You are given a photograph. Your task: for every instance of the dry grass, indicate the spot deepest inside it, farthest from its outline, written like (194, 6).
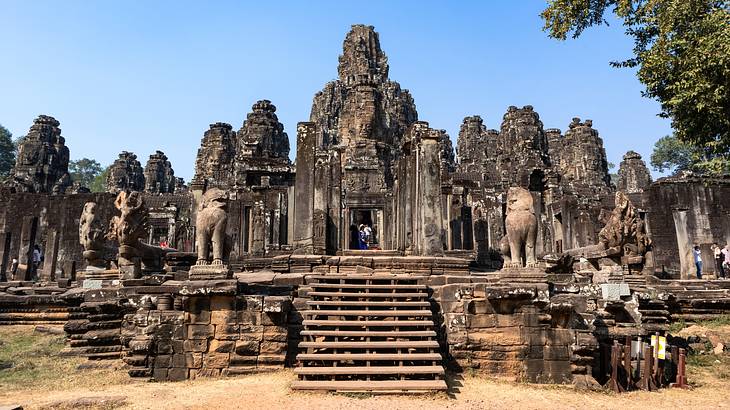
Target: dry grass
(30, 360)
(53, 382)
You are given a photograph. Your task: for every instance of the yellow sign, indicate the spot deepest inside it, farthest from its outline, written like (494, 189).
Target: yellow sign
(662, 350)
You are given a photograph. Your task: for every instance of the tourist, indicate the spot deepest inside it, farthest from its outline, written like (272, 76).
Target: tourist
(726, 264)
(368, 235)
(36, 260)
(14, 268)
(719, 259)
(361, 238)
(698, 260)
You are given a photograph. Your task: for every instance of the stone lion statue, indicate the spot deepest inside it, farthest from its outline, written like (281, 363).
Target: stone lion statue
(210, 228)
(521, 227)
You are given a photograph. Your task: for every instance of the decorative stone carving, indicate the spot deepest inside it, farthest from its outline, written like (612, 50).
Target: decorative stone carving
(213, 243)
(91, 236)
(214, 166)
(125, 174)
(159, 176)
(633, 175)
(42, 163)
(521, 226)
(625, 231)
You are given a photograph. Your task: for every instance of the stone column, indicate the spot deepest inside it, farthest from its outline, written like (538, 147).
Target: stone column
(27, 240)
(7, 245)
(304, 187)
(428, 197)
(50, 258)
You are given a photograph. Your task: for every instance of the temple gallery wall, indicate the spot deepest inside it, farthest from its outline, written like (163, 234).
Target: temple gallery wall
(511, 254)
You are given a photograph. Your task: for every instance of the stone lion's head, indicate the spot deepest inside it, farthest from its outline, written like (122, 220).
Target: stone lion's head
(519, 199)
(214, 198)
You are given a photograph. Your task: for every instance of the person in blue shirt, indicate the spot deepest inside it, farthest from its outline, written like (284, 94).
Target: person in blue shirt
(698, 261)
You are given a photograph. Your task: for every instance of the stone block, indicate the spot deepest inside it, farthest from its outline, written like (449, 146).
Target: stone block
(480, 321)
(276, 304)
(164, 360)
(247, 348)
(456, 337)
(271, 360)
(273, 319)
(198, 304)
(275, 334)
(216, 360)
(273, 348)
(241, 360)
(178, 346)
(159, 374)
(200, 331)
(222, 303)
(223, 317)
(177, 374)
(556, 336)
(246, 317)
(221, 346)
(196, 345)
(458, 306)
(509, 320)
(227, 332)
(164, 347)
(253, 303)
(288, 279)
(252, 332)
(505, 336)
(194, 360)
(479, 306)
(556, 353)
(454, 321)
(178, 360)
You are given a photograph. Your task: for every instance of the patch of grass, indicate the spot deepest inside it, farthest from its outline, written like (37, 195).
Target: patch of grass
(675, 327)
(721, 320)
(31, 360)
(701, 360)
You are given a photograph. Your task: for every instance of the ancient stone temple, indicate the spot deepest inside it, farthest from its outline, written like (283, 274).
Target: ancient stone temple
(633, 175)
(159, 176)
(346, 153)
(42, 164)
(513, 257)
(125, 173)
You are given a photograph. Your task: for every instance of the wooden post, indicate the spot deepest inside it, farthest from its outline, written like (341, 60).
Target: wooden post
(627, 364)
(675, 363)
(613, 383)
(681, 371)
(647, 379)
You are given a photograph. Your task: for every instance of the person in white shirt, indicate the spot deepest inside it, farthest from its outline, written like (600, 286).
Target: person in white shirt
(368, 234)
(719, 259)
(698, 260)
(36, 259)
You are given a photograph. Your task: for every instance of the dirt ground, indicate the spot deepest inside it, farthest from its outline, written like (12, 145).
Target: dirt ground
(63, 387)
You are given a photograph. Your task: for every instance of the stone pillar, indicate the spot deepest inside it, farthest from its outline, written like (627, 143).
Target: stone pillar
(50, 258)
(304, 187)
(27, 240)
(7, 244)
(429, 230)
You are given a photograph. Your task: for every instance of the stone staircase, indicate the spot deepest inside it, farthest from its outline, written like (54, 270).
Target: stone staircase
(369, 333)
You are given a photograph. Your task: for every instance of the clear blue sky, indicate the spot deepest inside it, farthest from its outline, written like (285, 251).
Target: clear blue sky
(147, 75)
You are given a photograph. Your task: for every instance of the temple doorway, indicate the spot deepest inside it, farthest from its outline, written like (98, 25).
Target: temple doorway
(366, 217)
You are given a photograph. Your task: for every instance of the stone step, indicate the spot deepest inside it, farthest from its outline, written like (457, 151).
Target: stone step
(359, 303)
(364, 286)
(347, 370)
(368, 323)
(358, 276)
(369, 333)
(368, 295)
(371, 386)
(371, 345)
(370, 356)
(408, 313)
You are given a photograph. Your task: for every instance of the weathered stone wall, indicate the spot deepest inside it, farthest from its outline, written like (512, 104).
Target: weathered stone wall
(683, 212)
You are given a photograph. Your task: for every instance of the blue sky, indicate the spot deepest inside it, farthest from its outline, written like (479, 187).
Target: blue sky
(147, 75)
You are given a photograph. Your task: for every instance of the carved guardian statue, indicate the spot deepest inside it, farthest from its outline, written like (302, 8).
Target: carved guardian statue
(91, 236)
(521, 226)
(212, 241)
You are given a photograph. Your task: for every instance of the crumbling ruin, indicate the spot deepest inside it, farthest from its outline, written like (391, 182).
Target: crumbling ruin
(514, 256)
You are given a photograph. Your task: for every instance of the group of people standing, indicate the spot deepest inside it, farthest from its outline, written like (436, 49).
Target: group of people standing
(722, 260)
(361, 237)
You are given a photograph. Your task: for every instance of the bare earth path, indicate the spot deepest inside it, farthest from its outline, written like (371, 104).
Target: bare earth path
(271, 391)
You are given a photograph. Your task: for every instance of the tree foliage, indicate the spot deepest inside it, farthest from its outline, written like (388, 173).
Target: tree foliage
(682, 52)
(98, 184)
(7, 152)
(671, 154)
(84, 171)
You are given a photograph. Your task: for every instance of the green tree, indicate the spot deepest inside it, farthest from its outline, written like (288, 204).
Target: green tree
(84, 171)
(682, 52)
(7, 152)
(98, 184)
(671, 154)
